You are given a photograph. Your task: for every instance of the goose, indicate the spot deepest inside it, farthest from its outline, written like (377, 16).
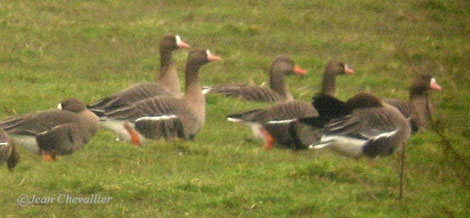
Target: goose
(8, 151)
(418, 108)
(263, 121)
(277, 92)
(362, 126)
(72, 124)
(164, 116)
(168, 82)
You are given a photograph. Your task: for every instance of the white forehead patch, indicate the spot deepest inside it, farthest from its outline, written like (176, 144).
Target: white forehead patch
(208, 53)
(433, 80)
(178, 40)
(59, 106)
(346, 66)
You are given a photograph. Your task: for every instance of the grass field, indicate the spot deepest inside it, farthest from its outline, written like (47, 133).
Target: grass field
(50, 50)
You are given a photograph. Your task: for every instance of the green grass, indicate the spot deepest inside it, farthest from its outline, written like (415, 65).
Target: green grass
(50, 50)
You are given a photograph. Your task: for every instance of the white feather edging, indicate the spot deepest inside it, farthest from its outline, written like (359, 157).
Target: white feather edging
(206, 89)
(235, 120)
(157, 118)
(273, 122)
(385, 135)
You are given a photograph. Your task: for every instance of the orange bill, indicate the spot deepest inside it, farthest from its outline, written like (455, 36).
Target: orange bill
(212, 57)
(299, 70)
(434, 85)
(183, 44)
(180, 43)
(348, 69)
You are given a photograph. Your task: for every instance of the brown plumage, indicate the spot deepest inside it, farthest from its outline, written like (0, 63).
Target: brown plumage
(164, 116)
(368, 127)
(418, 108)
(8, 151)
(260, 120)
(281, 67)
(166, 84)
(72, 124)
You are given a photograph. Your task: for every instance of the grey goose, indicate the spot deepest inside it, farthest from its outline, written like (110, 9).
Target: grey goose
(168, 82)
(362, 126)
(8, 151)
(281, 67)
(260, 120)
(418, 108)
(164, 116)
(54, 131)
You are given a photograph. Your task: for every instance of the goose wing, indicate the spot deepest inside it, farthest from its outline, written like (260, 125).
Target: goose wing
(155, 117)
(279, 112)
(129, 95)
(249, 93)
(35, 123)
(65, 138)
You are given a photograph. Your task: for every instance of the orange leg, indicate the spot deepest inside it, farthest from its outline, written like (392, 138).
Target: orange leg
(269, 140)
(134, 136)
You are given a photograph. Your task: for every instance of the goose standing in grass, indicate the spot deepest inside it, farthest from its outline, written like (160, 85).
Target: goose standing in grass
(260, 119)
(55, 131)
(8, 151)
(278, 91)
(165, 116)
(168, 82)
(362, 126)
(418, 108)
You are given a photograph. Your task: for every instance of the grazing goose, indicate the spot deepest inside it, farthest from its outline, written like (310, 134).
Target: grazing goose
(418, 108)
(168, 82)
(51, 128)
(362, 126)
(282, 66)
(164, 116)
(260, 120)
(8, 151)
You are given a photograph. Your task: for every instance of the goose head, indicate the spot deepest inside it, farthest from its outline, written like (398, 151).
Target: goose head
(424, 83)
(198, 57)
(338, 68)
(284, 66)
(72, 105)
(173, 42)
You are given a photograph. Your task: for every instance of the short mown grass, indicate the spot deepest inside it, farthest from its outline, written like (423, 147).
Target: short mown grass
(50, 50)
